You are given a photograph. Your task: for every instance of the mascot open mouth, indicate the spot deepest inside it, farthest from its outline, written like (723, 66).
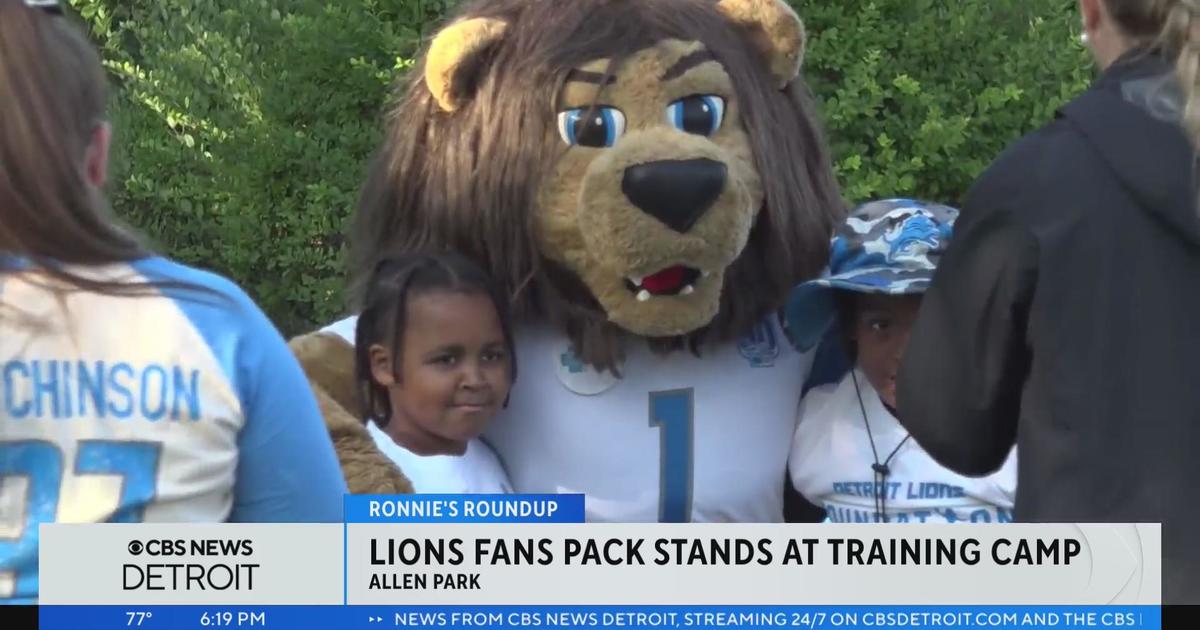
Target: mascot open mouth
(674, 280)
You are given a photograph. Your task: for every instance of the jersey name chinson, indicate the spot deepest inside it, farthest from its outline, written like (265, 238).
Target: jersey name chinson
(62, 389)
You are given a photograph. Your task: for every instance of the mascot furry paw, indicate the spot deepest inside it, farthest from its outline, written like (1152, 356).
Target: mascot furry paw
(329, 364)
(647, 179)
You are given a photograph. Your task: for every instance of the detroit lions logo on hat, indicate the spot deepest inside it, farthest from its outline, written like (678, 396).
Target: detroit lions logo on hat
(891, 247)
(913, 238)
(905, 235)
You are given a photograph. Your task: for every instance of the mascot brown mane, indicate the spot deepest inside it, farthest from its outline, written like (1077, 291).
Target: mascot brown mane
(630, 170)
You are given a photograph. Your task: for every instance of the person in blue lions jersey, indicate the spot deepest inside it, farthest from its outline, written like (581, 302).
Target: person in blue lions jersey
(132, 388)
(851, 455)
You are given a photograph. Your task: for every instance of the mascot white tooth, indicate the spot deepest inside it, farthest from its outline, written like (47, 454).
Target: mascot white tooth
(648, 179)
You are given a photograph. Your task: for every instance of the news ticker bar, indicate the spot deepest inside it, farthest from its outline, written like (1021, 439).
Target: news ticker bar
(807, 617)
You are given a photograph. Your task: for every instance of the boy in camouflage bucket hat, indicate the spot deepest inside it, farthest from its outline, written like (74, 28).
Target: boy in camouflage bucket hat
(888, 247)
(850, 454)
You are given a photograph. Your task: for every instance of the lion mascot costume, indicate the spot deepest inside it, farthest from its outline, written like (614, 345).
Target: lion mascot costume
(646, 179)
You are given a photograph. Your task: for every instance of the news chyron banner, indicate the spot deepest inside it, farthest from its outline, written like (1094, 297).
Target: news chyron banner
(529, 561)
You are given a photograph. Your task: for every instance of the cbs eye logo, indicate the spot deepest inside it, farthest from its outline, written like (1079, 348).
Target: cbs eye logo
(157, 548)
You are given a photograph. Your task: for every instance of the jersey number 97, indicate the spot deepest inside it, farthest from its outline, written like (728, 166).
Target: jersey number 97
(41, 464)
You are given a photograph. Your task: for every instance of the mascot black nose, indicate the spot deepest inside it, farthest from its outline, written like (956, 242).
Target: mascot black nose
(676, 192)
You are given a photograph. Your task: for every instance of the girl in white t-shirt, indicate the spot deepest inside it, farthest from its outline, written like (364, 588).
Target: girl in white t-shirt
(434, 363)
(851, 456)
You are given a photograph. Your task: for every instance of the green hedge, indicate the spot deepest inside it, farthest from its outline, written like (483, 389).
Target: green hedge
(920, 95)
(243, 126)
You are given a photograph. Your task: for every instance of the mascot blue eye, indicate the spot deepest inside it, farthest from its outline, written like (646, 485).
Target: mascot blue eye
(701, 114)
(599, 127)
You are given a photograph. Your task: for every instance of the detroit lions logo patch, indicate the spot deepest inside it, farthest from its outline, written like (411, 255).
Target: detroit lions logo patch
(577, 376)
(904, 235)
(760, 347)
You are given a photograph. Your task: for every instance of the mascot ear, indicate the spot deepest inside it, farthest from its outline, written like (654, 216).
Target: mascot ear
(778, 33)
(452, 63)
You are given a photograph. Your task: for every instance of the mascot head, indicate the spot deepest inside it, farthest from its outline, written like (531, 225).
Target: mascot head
(626, 168)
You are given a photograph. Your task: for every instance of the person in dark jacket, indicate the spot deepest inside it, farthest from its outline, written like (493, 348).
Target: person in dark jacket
(1065, 316)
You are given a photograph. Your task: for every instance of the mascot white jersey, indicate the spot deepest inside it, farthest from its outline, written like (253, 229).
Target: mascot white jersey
(690, 448)
(672, 417)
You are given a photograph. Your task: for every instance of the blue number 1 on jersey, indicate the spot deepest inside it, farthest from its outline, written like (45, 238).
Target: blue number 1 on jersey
(671, 411)
(41, 464)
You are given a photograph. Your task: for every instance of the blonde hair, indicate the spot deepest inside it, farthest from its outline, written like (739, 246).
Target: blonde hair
(1174, 27)
(1181, 35)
